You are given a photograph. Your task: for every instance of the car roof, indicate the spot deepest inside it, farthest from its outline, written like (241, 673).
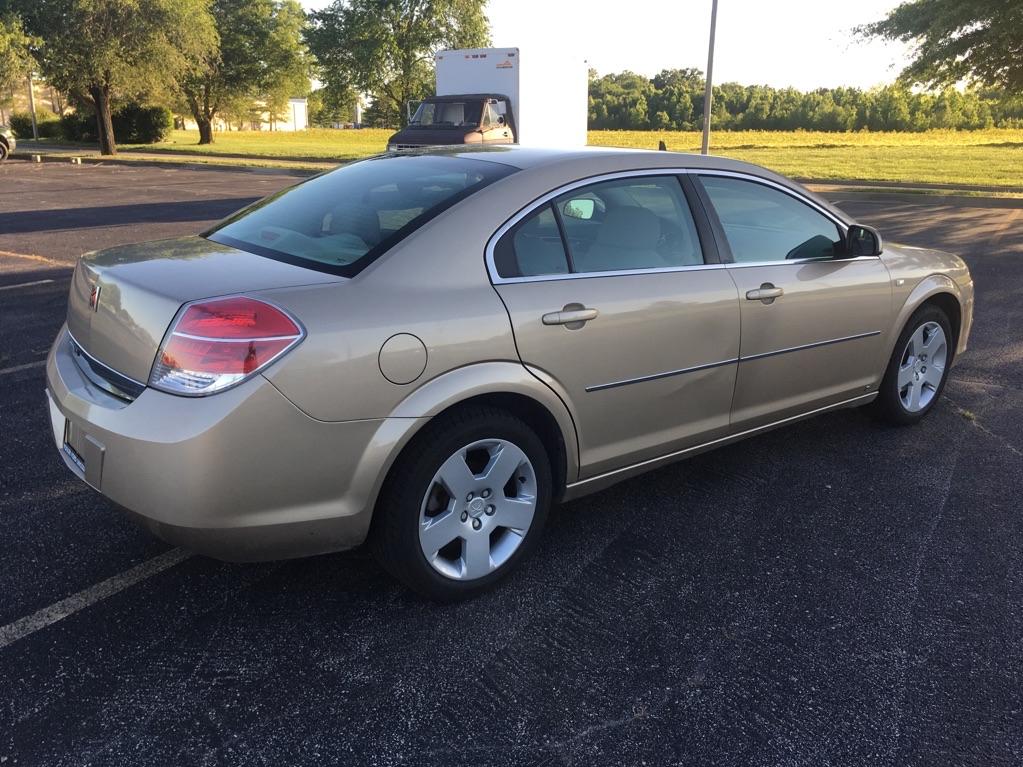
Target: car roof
(583, 162)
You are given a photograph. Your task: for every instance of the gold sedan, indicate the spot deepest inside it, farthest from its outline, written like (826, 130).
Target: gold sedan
(430, 349)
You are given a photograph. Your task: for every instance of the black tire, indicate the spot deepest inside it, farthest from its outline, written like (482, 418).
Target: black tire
(394, 535)
(889, 405)
(4, 151)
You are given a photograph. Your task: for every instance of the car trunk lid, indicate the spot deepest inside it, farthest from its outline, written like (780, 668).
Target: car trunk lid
(123, 299)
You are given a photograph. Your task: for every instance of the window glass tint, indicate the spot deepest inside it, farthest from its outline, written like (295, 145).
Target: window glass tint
(638, 223)
(448, 114)
(532, 248)
(342, 220)
(765, 224)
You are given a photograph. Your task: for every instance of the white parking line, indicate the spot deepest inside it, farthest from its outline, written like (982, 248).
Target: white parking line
(26, 366)
(25, 284)
(30, 624)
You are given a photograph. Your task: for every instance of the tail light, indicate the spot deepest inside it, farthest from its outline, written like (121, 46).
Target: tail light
(216, 344)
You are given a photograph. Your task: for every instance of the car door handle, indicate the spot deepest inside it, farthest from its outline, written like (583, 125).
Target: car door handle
(570, 317)
(766, 293)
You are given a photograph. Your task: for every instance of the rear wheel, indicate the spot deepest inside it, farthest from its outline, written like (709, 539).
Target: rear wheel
(465, 503)
(918, 369)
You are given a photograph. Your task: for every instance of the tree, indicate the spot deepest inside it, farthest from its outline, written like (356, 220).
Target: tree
(106, 49)
(327, 107)
(261, 56)
(287, 61)
(979, 41)
(386, 47)
(15, 56)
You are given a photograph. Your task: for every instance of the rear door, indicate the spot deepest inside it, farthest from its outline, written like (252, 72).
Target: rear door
(812, 317)
(622, 308)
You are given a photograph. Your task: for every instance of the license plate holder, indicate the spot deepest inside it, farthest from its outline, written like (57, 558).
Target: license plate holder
(83, 452)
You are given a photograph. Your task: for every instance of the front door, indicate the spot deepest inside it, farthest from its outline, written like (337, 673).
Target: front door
(813, 319)
(494, 124)
(613, 305)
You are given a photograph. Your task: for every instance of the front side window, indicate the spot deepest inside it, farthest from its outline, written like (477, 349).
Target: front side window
(340, 221)
(620, 225)
(765, 224)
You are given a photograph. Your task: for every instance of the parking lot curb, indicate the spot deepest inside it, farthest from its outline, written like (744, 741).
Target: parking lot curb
(69, 159)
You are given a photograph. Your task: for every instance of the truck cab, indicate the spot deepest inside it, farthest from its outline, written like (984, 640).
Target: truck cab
(473, 118)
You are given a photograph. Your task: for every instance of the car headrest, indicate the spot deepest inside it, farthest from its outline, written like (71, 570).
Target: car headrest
(360, 220)
(630, 227)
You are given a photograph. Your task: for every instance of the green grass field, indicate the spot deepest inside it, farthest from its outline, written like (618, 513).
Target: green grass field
(990, 157)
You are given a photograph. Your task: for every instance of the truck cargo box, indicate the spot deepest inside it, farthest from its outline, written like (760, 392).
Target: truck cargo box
(547, 90)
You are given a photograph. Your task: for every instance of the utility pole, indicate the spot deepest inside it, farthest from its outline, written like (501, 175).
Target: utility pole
(708, 97)
(32, 106)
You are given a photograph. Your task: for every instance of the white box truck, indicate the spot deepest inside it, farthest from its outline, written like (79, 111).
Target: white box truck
(497, 96)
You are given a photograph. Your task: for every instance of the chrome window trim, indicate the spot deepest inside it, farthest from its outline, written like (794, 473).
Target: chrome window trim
(539, 202)
(799, 261)
(619, 273)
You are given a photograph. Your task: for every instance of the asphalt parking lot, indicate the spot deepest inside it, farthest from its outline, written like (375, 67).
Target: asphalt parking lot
(838, 592)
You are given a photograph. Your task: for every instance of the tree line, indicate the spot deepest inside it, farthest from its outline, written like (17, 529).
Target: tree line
(204, 58)
(673, 100)
(233, 59)
(236, 59)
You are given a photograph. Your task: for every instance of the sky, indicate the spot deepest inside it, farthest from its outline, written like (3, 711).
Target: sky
(801, 43)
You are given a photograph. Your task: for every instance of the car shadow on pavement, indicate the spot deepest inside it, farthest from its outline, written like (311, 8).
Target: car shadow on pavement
(24, 222)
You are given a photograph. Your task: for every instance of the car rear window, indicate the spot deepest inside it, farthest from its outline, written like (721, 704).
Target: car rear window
(341, 221)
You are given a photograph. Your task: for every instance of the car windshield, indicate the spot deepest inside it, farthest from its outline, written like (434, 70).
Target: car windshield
(448, 114)
(342, 220)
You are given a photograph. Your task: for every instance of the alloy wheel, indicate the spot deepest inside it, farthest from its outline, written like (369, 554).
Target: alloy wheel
(922, 367)
(477, 510)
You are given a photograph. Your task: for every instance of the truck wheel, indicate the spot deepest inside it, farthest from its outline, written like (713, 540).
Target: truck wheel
(464, 504)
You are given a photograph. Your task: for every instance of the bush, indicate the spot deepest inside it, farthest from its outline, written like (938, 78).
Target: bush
(78, 126)
(46, 121)
(50, 128)
(137, 124)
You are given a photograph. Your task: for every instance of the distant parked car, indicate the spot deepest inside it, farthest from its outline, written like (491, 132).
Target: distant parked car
(7, 142)
(429, 349)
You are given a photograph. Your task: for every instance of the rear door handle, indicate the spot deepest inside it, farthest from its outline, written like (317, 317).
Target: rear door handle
(766, 293)
(566, 316)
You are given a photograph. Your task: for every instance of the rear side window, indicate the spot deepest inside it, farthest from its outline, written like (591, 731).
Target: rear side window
(765, 224)
(533, 247)
(341, 221)
(621, 225)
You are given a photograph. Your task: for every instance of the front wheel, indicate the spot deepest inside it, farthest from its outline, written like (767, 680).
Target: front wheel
(464, 504)
(4, 151)
(918, 369)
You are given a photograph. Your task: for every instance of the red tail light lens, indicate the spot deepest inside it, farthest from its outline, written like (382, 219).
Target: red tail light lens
(213, 345)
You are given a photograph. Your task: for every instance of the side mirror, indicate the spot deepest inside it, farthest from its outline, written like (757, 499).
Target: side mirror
(863, 241)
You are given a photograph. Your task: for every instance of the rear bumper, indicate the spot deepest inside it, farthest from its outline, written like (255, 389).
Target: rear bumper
(242, 475)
